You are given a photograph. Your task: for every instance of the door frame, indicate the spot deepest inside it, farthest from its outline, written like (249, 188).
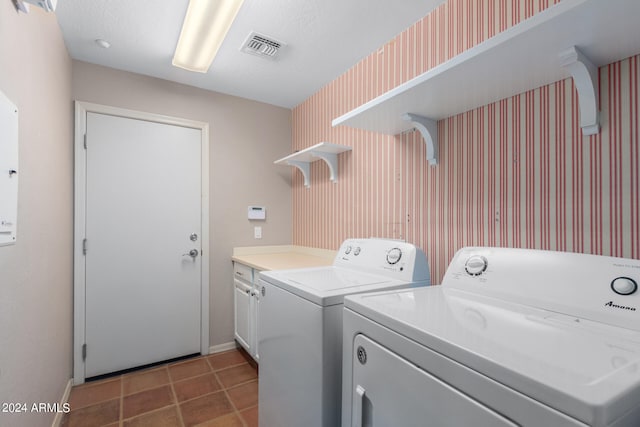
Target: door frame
(80, 169)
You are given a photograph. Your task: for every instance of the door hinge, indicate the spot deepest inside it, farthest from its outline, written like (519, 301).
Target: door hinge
(85, 141)
(84, 246)
(84, 352)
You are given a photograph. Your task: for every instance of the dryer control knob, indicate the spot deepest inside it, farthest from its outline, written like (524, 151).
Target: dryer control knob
(394, 255)
(476, 265)
(347, 250)
(624, 285)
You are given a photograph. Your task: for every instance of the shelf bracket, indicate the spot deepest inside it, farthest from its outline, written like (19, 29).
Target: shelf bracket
(331, 159)
(304, 168)
(585, 78)
(429, 130)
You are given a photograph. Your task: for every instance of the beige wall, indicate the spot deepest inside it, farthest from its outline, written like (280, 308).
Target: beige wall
(36, 272)
(245, 138)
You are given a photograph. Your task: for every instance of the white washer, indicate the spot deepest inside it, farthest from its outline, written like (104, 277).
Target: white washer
(300, 334)
(511, 337)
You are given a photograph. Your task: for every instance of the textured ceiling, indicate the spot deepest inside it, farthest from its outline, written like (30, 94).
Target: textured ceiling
(324, 38)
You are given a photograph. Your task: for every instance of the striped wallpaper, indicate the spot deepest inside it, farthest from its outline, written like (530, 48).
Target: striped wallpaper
(514, 173)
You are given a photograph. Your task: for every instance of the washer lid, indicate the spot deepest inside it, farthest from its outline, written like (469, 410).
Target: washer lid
(588, 370)
(328, 285)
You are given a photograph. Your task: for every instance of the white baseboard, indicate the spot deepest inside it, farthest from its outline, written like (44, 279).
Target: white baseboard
(65, 398)
(222, 347)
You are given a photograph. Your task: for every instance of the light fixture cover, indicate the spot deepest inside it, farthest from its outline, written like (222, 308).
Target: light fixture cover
(204, 28)
(48, 5)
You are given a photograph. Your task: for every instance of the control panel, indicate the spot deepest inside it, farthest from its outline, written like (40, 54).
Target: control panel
(588, 286)
(392, 258)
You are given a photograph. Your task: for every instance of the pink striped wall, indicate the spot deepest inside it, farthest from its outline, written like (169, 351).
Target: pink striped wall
(515, 173)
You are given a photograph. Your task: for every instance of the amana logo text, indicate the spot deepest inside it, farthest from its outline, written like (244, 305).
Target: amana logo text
(622, 307)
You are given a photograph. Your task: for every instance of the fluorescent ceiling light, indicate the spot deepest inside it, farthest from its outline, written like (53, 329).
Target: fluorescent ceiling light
(203, 30)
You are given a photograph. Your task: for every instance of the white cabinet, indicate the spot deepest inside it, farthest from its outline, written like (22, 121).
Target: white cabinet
(246, 304)
(242, 300)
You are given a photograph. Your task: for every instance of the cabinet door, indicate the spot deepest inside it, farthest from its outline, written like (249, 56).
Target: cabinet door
(242, 314)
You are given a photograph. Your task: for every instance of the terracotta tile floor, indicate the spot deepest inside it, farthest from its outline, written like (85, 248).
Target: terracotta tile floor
(219, 390)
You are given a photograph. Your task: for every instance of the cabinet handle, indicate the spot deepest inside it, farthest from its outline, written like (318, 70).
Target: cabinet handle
(238, 273)
(248, 291)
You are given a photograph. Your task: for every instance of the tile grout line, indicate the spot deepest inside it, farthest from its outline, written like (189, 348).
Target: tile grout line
(224, 389)
(121, 415)
(233, 405)
(175, 396)
(172, 383)
(97, 402)
(168, 383)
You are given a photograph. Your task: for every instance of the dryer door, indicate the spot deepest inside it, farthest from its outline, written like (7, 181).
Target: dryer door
(389, 390)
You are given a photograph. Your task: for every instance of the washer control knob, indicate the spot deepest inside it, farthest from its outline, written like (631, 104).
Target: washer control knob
(394, 255)
(624, 285)
(347, 250)
(357, 251)
(476, 265)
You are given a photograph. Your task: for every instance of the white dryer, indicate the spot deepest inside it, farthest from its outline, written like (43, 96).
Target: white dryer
(512, 337)
(300, 333)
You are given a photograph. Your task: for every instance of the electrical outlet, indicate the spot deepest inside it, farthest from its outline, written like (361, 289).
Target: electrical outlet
(257, 232)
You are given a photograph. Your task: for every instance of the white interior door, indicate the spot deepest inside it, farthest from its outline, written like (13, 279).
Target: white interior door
(143, 204)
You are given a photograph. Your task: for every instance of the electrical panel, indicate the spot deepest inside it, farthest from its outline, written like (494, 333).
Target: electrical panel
(8, 171)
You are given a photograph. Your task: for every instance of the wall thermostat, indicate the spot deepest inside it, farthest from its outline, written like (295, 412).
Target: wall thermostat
(257, 212)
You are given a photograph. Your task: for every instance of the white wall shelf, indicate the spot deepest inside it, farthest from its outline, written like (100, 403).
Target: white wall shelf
(523, 57)
(302, 159)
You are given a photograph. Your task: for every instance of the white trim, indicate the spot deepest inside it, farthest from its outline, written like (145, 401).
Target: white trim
(223, 347)
(57, 420)
(82, 108)
(205, 256)
(80, 173)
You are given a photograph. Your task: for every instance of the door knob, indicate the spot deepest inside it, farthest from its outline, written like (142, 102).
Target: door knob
(192, 253)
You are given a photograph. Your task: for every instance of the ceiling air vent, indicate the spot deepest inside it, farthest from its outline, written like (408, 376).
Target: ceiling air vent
(261, 45)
